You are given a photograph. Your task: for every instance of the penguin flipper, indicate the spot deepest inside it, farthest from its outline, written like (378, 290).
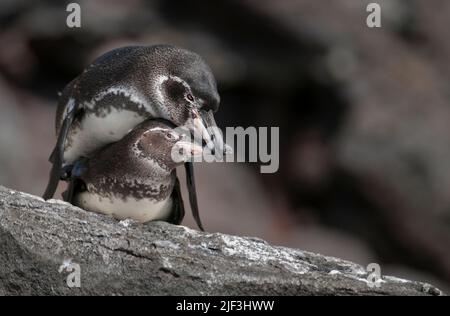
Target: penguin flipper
(189, 166)
(56, 158)
(178, 205)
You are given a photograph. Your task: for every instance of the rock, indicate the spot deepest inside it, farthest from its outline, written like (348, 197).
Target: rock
(39, 239)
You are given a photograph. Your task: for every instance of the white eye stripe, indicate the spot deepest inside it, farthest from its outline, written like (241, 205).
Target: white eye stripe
(173, 134)
(178, 79)
(163, 78)
(155, 129)
(158, 84)
(161, 106)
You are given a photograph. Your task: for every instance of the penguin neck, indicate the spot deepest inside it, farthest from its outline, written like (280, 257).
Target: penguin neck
(160, 173)
(162, 179)
(151, 178)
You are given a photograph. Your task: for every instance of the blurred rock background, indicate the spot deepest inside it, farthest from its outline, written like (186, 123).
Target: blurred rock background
(364, 114)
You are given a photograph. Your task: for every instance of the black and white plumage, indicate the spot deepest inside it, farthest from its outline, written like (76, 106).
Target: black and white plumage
(135, 178)
(123, 88)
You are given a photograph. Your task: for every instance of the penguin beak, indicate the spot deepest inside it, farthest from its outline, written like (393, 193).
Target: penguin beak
(200, 129)
(189, 150)
(205, 126)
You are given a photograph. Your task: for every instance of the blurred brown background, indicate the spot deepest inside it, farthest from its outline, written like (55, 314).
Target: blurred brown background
(364, 114)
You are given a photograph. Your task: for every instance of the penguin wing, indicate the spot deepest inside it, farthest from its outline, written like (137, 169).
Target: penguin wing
(75, 186)
(56, 158)
(189, 167)
(178, 205)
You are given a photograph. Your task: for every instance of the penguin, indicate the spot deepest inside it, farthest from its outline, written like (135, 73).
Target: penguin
(135, 178)
(123, 88)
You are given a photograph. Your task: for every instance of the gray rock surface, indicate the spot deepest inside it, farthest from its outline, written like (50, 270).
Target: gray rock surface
(126, 258)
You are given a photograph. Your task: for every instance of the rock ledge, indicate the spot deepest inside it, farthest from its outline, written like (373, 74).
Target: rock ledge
(38, 239)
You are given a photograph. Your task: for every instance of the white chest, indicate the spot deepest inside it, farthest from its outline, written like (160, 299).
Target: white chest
(96, 132)
(143, 210)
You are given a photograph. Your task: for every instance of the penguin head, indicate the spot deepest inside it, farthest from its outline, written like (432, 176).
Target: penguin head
(164, 145)
(186, 93)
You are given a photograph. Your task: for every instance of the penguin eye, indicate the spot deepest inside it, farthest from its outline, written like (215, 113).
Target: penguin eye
(190, 97)
(170, 136)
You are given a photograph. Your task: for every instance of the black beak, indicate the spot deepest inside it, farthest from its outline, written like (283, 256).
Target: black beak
(220, 148)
